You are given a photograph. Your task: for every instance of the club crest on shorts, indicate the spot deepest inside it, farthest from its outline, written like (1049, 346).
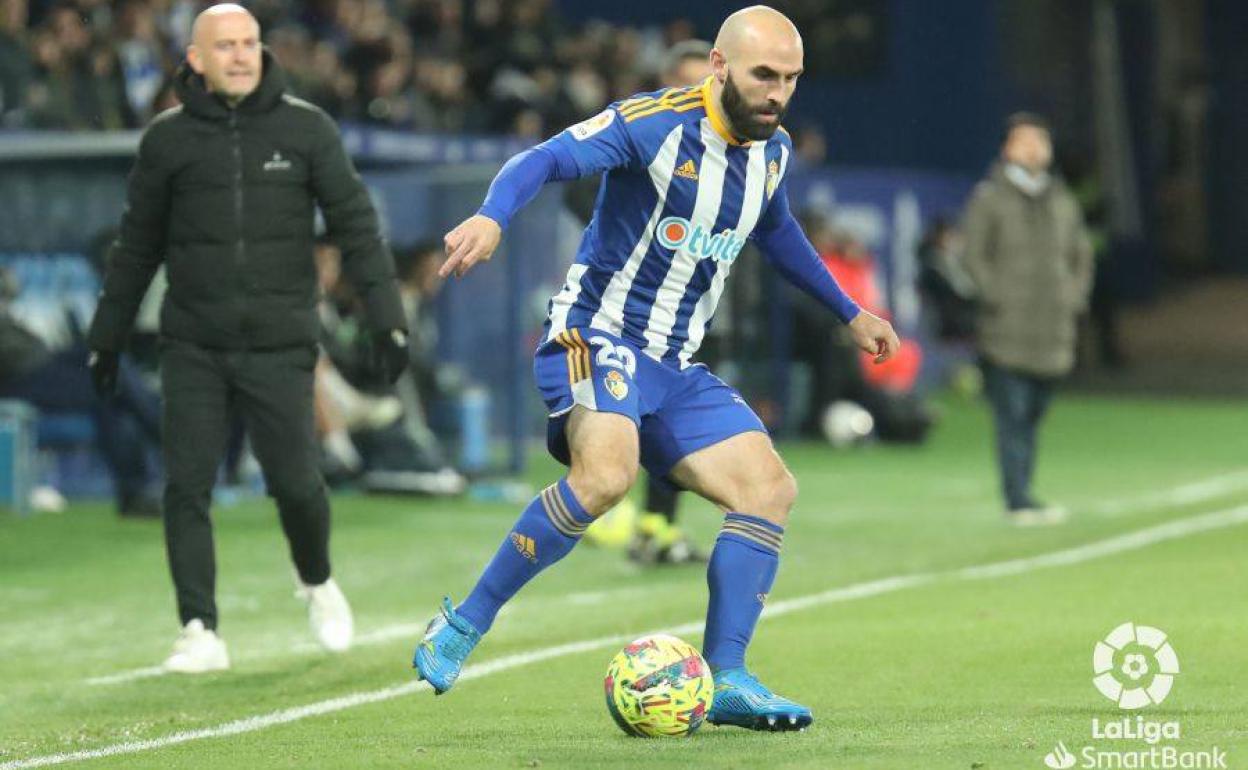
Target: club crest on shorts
(615, 384)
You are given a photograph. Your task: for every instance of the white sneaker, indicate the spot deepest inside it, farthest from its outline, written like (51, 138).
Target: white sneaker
(1047, 516)
(329, 615)
(197, 651)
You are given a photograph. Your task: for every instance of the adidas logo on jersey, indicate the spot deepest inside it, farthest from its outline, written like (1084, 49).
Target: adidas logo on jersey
(687, 170)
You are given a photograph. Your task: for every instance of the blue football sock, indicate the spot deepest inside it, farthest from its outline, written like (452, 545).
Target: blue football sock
(742, 569)
(545, 533)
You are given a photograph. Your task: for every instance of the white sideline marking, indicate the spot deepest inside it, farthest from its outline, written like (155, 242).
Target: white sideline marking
(127, 676)
(1140, 538)
(1131, 541)
(1183, 494)
(374, 637)
(377, 636)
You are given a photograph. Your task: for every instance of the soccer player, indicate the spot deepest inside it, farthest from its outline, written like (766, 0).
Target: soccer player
(656, 538)
(692, 173)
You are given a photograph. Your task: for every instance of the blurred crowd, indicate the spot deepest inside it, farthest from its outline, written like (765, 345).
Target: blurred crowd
(504, 66)
(457, 66)
(375, 436)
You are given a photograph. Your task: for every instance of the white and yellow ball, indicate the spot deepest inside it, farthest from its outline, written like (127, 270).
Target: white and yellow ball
(659, 686)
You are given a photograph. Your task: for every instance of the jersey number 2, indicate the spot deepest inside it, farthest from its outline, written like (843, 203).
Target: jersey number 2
(617, 356)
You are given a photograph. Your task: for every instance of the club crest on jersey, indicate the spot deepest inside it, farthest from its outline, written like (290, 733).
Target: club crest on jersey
(680, 234)
(615, 385)
(773, 178)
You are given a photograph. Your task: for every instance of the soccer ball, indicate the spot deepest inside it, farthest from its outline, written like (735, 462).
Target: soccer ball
(845, 423)
(659, 685)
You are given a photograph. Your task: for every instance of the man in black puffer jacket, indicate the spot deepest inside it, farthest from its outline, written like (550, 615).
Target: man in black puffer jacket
(224, 192)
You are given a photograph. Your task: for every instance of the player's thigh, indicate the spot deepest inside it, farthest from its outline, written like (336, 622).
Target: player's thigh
(742, 473)
(603, 449)
(589, 381)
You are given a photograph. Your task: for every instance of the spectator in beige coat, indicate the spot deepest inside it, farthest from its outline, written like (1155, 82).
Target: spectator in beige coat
(1028, 253)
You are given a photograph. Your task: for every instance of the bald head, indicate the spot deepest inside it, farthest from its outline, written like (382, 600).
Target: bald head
(225, 50)
(206, 22)
(756, 62)
(757, 29)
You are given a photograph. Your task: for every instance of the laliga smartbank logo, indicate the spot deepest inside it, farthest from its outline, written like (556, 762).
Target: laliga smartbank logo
(680, 234)
(1135, 667)
(1060, 757)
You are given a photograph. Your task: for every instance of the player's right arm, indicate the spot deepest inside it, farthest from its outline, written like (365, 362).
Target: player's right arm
(588, 148)
(139, 248)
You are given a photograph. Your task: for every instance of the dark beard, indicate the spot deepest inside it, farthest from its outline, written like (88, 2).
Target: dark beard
(744, 118)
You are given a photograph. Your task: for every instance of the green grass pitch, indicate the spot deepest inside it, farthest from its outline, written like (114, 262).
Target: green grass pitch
(934, 671)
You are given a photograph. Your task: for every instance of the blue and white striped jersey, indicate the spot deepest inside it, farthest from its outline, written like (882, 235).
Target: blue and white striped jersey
(678, 201)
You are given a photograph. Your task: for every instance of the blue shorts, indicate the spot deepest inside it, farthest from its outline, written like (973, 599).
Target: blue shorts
(677, 412)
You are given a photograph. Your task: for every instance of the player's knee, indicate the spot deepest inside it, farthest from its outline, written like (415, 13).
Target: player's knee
(770, 497)
(598, 488)
(785, 492)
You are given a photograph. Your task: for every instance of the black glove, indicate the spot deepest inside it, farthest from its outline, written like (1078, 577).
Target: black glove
(390, 356)
(103, 365)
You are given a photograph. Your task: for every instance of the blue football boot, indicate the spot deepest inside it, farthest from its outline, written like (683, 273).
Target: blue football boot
(448, 641)
(743, 701)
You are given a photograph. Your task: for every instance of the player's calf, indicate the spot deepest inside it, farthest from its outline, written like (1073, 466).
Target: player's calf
(604, 465)
(546, 531)
(745, 475)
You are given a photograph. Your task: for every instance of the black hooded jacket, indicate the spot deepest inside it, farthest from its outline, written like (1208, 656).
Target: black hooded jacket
(226, 198)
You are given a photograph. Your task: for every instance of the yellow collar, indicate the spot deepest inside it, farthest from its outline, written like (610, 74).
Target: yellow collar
(717, 121)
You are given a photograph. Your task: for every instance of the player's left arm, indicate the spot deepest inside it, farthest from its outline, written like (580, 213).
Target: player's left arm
(787, 248)
(587, 148)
